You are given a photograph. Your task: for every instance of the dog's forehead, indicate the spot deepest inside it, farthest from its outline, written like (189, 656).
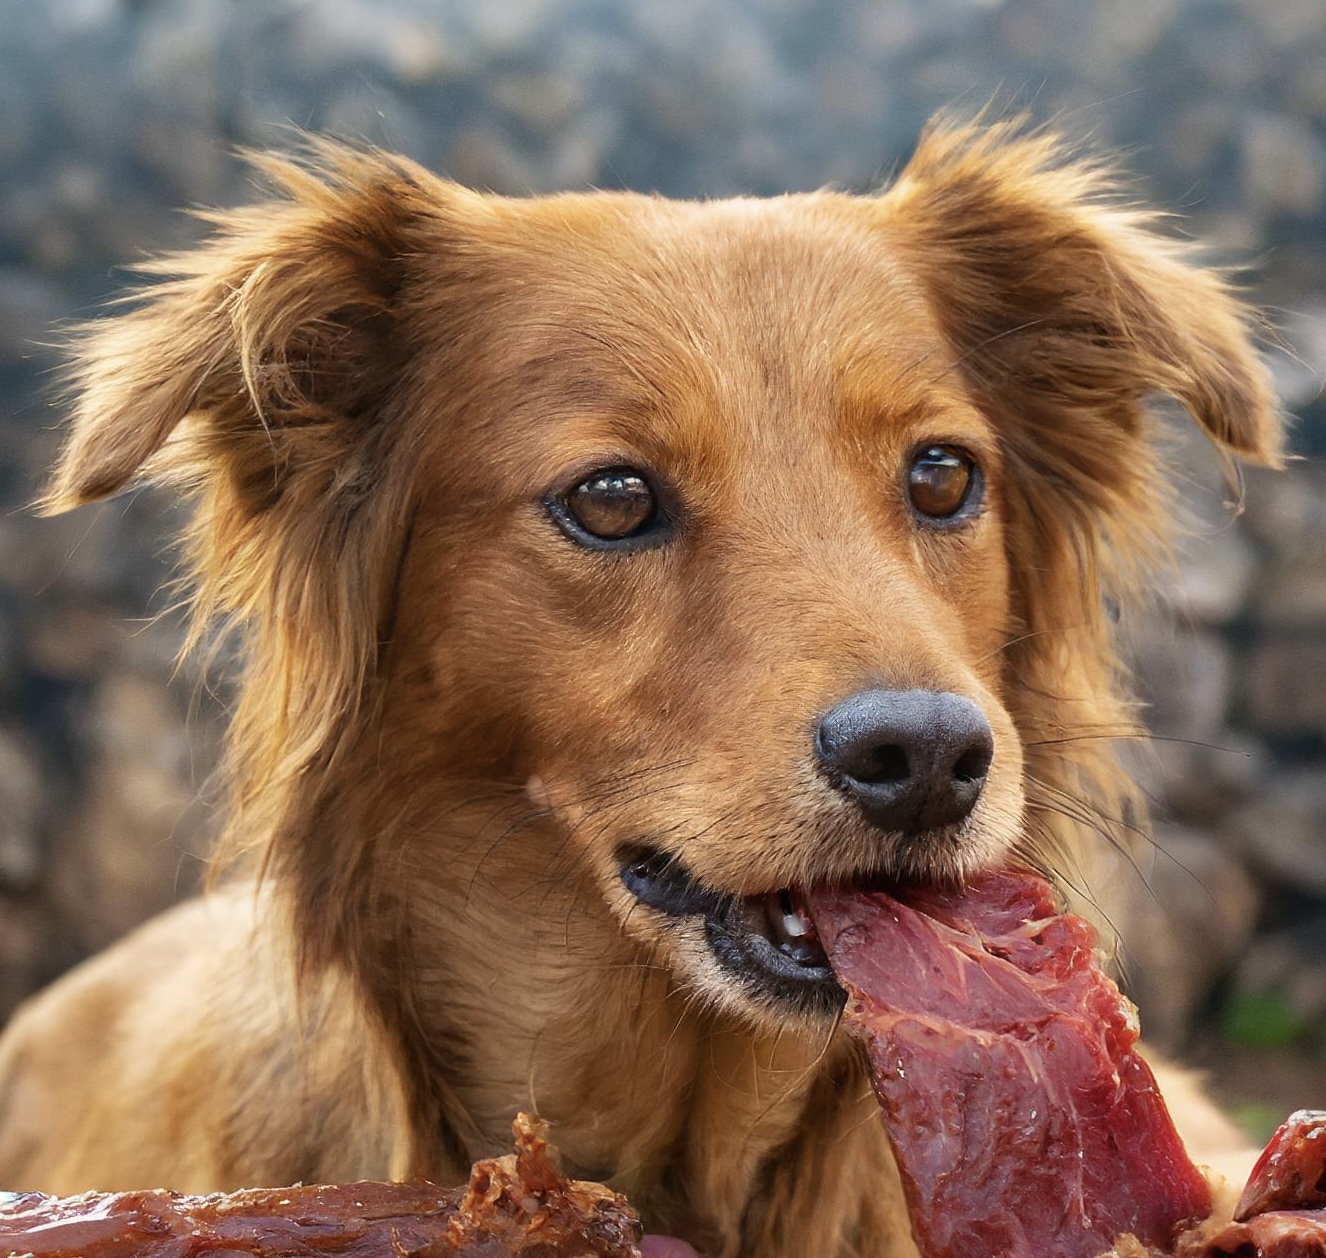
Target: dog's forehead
(617, 315)
(781, 273)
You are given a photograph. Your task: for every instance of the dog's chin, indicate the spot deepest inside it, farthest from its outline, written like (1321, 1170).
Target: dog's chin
(762, 948)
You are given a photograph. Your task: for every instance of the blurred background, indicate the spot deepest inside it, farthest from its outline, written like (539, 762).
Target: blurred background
(115, 113)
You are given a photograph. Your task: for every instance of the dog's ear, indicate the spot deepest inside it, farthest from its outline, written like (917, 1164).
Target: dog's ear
(262, 376)
(262, 346)
(1051, 289)
(1065, 310)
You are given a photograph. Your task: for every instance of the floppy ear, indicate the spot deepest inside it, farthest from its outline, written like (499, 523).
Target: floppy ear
(262, 377)
(1066, 311)
(270, 330)
(1052, 289)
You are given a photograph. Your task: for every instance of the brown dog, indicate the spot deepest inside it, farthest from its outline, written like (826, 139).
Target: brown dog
(607, 569)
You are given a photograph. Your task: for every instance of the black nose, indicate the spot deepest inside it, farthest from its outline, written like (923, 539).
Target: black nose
(912, 760)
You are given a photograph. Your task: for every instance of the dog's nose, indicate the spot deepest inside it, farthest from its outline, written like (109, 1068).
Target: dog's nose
(912, 760)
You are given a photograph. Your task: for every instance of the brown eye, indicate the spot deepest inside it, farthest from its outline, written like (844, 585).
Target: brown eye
(613, 505)
(941, 481)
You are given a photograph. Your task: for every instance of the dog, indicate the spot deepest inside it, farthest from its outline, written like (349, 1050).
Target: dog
(606, 570)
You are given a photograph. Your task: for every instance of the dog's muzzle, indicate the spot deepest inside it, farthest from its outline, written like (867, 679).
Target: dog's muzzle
(914, 762)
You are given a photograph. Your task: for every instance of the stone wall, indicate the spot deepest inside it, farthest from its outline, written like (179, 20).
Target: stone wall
(113, 113)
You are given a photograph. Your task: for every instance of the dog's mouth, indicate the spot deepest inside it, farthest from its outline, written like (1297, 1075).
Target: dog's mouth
(765, 943)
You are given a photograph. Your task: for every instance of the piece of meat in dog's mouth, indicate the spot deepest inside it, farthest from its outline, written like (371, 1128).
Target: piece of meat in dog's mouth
(767, 943)
(1023, 1120)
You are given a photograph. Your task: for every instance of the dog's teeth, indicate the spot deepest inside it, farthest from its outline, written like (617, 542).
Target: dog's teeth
(789, 928)
(781, 922)
(788, 918)
(794, 925)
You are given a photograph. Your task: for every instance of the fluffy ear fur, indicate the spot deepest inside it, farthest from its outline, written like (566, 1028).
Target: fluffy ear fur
(259, 377)
(1067, 311)
(1052, 288)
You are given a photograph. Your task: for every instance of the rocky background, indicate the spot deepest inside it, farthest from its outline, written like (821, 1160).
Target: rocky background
(113, 113)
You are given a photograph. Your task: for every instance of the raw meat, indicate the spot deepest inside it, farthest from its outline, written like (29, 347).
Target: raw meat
(1280, 1234)
(1024, 1123)
(1280, 1214)
(520, 1204)
(1291, 1172)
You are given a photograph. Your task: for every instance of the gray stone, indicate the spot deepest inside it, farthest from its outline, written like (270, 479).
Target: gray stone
(1286, 684)
(1285, 511)
(71, 640)
(1192, 139)
(1121, 30)
(407, 47)
(29, 305)
(18, 123)
(1288, 24)
(134, 843)
(71, 18)
(1221, 55)
(1294, 593)
(1283, 834)
(1201, 783)
(1284, 165)
(1216, 564)
(577, 156)
(22, 800)
(1306, 80)
(1214, 577)
(486, 155)
(27, 949)
(890, 28)
(367, 113)
(546, 102)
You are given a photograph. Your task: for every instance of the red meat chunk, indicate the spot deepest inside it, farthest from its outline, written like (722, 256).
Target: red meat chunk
(1024, 1123)
(1291, 1172)
(1280, 1234)
(520, 1204)
(1280, 1214)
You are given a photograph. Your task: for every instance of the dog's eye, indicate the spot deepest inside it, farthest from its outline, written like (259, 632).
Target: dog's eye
(941, 481)
(611, 506)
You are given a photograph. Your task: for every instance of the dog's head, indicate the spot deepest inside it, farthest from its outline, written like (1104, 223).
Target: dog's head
(738, 546)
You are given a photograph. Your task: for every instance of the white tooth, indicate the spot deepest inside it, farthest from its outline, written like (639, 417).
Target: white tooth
(795, 925)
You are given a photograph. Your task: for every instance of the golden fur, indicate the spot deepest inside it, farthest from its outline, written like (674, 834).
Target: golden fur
(451, 718)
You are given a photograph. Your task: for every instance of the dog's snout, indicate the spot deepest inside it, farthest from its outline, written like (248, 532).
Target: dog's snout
(912, 760)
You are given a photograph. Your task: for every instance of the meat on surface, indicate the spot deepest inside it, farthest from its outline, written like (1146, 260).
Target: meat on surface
(520, 1204)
